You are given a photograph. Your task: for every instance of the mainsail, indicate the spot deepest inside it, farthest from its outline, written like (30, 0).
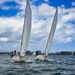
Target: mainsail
(51, 34)
(26, 29)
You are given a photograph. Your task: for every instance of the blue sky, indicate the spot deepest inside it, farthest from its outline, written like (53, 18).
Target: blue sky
(11, 24)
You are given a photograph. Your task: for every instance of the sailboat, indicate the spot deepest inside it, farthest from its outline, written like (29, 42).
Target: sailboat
(34, 53)
(51, 34)
(25, 35)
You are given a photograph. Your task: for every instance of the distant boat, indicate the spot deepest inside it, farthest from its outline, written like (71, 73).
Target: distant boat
(50, 38)
(71, 52)
(25, 35)
(34, 53)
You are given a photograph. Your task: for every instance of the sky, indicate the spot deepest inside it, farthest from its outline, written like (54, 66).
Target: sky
(12, 19)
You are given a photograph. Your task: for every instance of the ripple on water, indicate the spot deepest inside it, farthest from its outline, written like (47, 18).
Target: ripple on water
(64, 65)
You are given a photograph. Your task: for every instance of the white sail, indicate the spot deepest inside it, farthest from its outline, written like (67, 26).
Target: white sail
(51, 34)
(26, 29)
(34, 53)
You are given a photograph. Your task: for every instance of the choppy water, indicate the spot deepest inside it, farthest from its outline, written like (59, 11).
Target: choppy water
(63, 65)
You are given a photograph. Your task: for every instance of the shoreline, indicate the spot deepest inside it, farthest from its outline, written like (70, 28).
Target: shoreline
(58, 53)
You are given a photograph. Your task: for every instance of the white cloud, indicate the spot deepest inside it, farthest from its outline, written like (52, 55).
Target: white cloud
(65, 34)
(10, 28)
(22, 4)
(45, 10)
(15, 45)
(47, 1)
(5, 7)
(40, 27)
(68, 17)
(8, 7)
(73, 3)
(3, 1)
(4, 39)
(62, 6)
(13, 23)
(70, 31)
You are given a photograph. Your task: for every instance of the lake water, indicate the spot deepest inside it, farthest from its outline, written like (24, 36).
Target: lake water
(63, 65)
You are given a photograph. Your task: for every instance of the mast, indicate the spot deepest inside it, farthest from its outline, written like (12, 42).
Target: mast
(26, 29)
(51, 34)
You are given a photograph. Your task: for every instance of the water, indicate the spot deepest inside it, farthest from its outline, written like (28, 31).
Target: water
(63, 65)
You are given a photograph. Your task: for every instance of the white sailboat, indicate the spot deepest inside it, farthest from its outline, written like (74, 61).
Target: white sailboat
(25, 35)
(34, 53)
(51, 34)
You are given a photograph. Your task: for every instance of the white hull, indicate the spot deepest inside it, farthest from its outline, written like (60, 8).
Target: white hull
(17, 58)
(43, 58)
(40, 57)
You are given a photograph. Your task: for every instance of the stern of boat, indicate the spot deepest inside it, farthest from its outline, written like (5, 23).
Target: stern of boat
(16, 58)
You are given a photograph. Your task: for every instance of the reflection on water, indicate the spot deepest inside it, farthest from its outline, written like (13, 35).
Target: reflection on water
(63, 65)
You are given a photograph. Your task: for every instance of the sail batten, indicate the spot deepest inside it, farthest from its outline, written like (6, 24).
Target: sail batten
(26, 29)
(51, 34)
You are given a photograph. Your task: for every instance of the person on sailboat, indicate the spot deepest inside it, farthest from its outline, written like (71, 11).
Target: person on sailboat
(14, 52)
(11, 54)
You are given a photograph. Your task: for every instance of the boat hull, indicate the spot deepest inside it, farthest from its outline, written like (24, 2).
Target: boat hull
(18, 58)
(43, 58)
(40, 57)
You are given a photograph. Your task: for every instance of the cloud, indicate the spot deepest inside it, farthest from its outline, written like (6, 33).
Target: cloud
(4, 39)
(64, 26)
(45, 10)
(62, 6)
(5, 7)
(42, 17)
(10, 28)
(47, 1)
(22, 4)
(8, 7)
(73, 3)
(2, 1)
(68, 17)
